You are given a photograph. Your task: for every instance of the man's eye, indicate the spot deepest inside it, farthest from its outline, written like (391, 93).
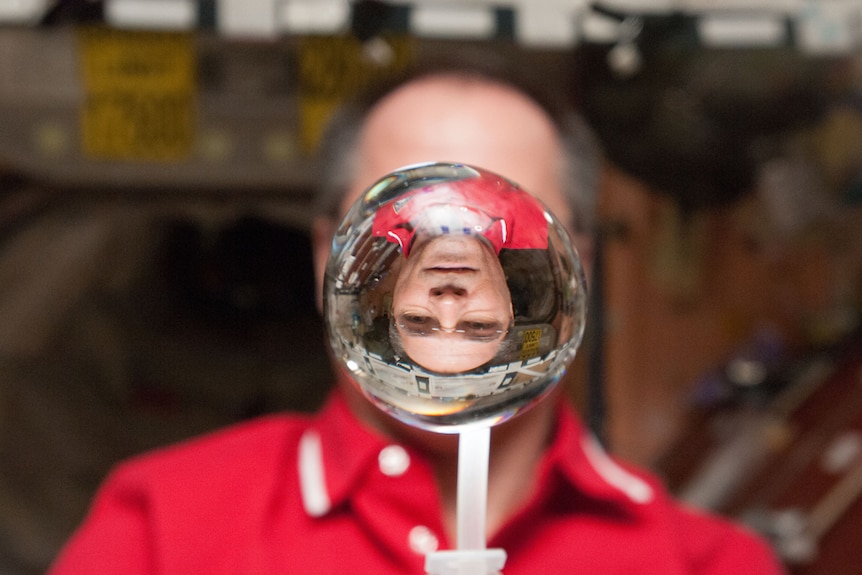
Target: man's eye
(416, 320)
(482, 328)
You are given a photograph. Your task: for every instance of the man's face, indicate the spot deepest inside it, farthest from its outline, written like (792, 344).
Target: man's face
(445, 119)
(451, 305)
(472, 122)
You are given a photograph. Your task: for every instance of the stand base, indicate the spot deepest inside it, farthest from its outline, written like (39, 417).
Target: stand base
(465, 562)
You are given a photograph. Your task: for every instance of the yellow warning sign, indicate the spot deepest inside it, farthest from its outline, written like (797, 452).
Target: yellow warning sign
(530, 343)
(139, 94)
(333, 68)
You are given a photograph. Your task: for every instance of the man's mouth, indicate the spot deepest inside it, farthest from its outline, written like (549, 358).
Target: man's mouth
(451, 269)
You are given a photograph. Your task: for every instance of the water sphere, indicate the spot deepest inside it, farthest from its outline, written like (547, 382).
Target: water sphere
(452, 297)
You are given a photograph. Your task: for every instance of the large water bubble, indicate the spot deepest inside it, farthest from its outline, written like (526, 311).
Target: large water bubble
(453, 298)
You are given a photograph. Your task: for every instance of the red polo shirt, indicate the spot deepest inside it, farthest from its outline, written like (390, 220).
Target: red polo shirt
(322, 494)
(504, 214)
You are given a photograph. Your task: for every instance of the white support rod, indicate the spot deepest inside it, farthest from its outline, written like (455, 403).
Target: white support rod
(472, 504)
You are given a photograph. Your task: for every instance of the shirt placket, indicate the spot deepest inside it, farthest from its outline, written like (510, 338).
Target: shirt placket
(398, 504)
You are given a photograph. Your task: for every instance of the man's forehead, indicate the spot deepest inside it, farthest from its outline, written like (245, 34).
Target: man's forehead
(479, 123)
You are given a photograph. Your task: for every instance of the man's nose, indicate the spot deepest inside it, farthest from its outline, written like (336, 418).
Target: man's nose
(449, 291)
(447, 302)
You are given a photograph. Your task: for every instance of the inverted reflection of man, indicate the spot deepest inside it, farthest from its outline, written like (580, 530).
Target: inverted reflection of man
(451, 306)
(451, 303)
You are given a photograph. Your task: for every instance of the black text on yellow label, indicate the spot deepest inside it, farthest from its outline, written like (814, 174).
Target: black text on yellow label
(333, 68)
(530, 343)
(139, 94)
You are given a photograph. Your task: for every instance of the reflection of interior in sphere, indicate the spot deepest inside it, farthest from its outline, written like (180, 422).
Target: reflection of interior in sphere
(453, 296)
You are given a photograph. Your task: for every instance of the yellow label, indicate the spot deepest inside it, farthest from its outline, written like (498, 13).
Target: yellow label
(333, 68)
(140, 94)
(530, 341)
(314, 113)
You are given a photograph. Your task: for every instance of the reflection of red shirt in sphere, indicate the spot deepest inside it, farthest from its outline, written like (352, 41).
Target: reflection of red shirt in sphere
(505, 215)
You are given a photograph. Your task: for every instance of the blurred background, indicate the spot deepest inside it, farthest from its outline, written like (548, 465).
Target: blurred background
(157, 164)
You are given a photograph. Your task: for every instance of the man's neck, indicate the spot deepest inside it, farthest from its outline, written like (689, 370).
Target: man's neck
(517, 448)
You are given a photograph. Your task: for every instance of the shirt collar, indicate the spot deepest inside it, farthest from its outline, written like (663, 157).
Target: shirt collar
(336, 452)
(585, 466)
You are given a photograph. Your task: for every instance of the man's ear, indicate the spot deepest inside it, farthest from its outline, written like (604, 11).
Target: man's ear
(322, 230)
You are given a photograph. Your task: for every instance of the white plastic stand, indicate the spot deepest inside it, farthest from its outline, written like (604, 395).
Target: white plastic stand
(465, 562)
(471, 557)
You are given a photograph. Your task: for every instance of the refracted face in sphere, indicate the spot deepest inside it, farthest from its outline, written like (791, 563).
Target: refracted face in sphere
(452, 297)
(451, 306)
